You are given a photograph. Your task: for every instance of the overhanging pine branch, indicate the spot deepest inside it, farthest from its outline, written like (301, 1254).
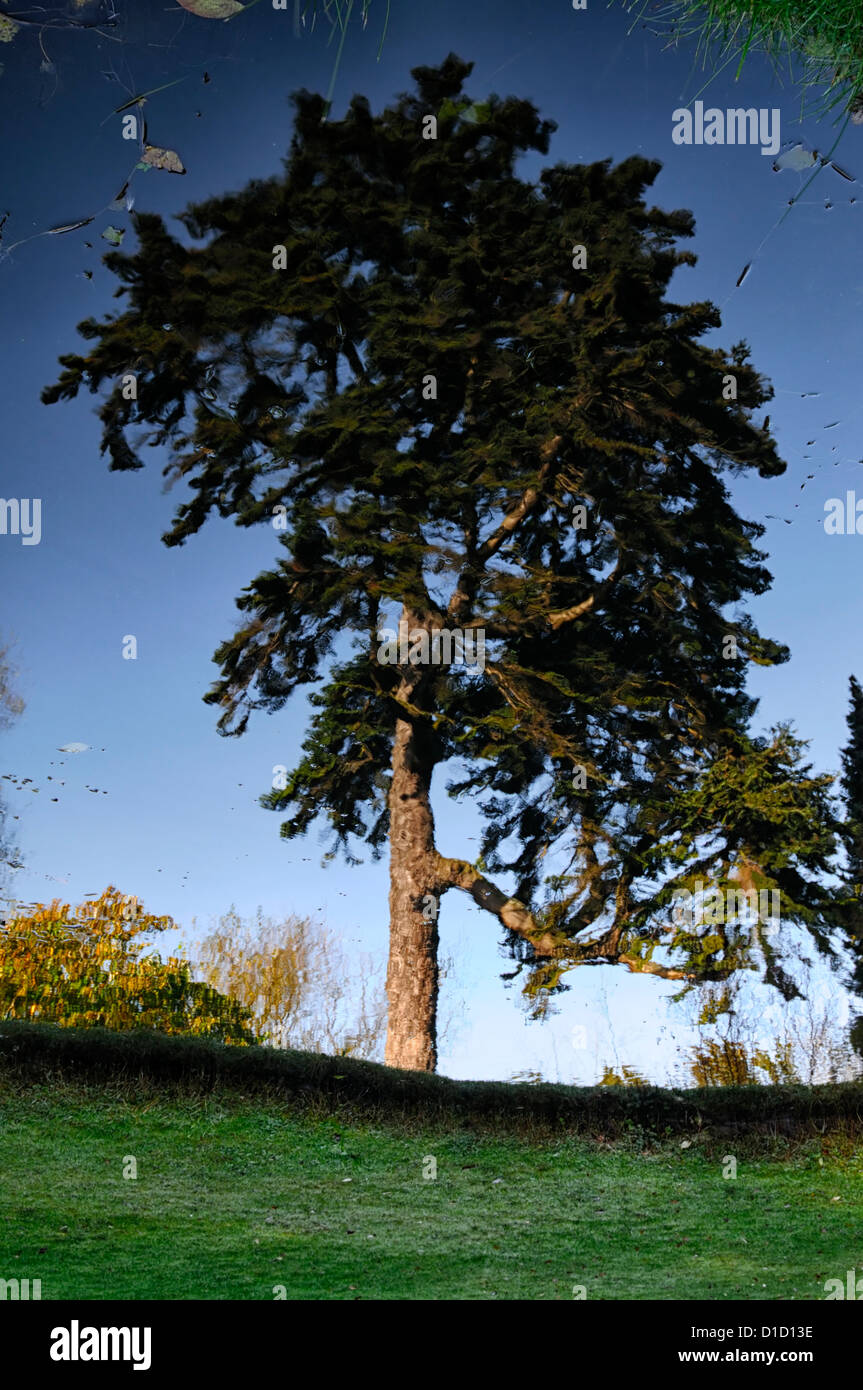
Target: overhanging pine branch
(465, 589)
(568, 615)
(650, 967)
(458, 873)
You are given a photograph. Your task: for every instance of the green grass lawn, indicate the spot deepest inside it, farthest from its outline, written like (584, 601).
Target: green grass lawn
(721, 33)
(235, 1196)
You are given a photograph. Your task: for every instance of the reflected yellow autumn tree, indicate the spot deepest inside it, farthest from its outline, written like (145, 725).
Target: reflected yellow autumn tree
(296, 979)
(89, 966)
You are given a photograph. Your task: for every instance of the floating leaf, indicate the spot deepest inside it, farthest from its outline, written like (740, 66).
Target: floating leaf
(123, 200)
(74, 748)
(797, 158)
(743, 274)
(157, 158)
(70, 226)
(212, 9)
(8, 29)
(476, 112)
(114, 235)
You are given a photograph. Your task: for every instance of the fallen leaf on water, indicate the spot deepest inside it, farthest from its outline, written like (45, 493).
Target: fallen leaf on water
(797, 158)
(114, 235)
(121, 202)
(157, 158)
(212, 9)
(69, 226)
